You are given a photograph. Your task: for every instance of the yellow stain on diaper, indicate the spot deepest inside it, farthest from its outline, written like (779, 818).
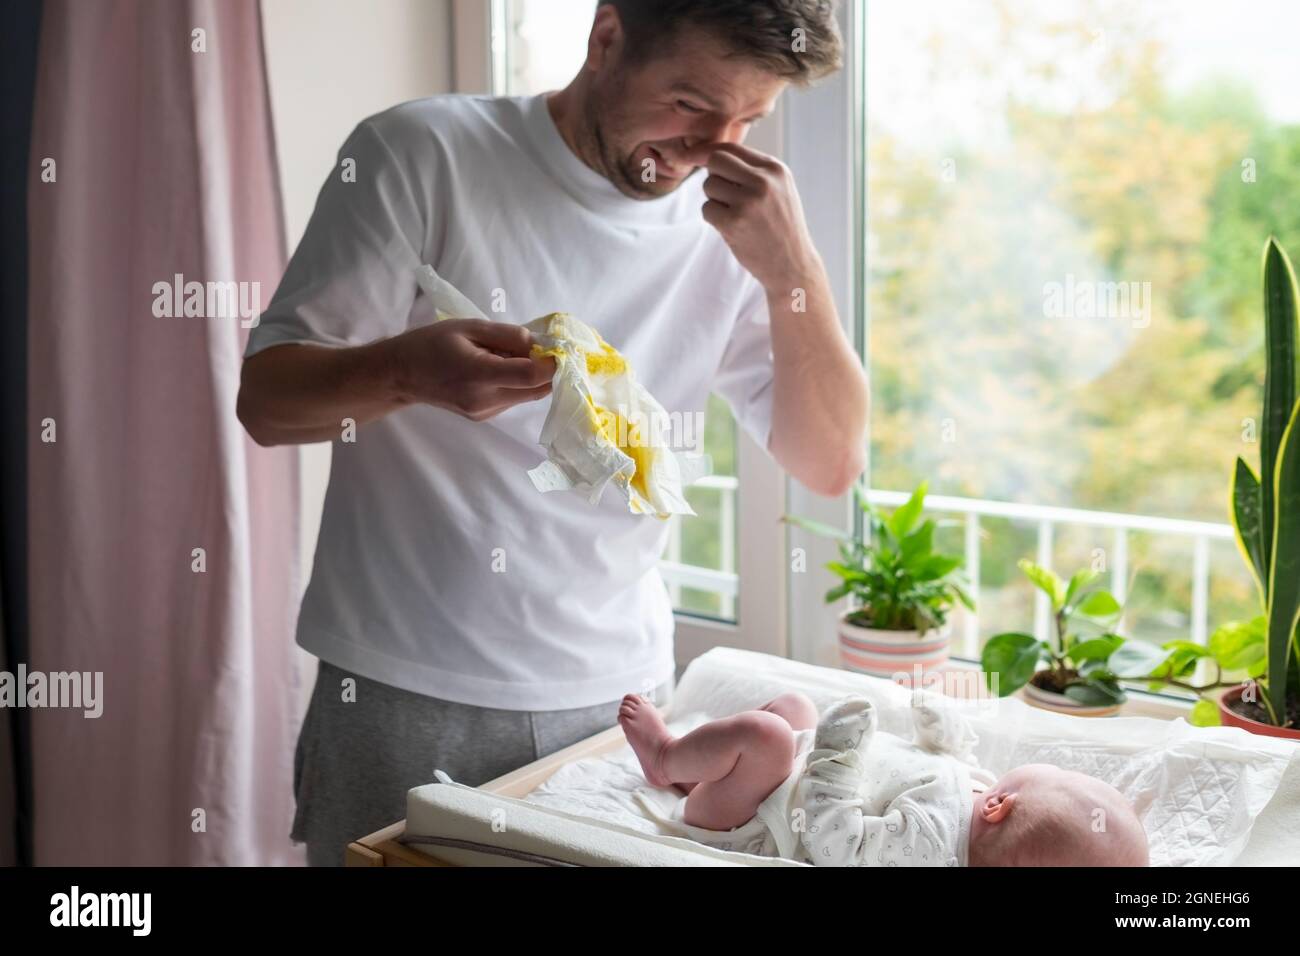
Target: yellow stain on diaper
(608, 361)
(627, 437)
(613, 427)
(538, 352)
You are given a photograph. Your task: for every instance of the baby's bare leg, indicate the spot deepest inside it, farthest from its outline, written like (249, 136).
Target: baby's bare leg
(738, 762)
(732, 764)
(794, 708)
(797, 709)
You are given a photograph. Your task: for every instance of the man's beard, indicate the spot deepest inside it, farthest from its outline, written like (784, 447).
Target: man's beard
(602, 138)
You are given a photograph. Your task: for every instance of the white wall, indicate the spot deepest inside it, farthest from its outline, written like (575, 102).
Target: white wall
(330, 64)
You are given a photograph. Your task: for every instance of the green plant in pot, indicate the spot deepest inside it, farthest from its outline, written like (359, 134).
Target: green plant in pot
(1245, 654)
(902, 588)
(1079, 667)
(1238, 652)
(1266, 515)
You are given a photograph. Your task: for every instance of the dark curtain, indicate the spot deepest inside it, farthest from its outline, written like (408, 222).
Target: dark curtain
(19, 34)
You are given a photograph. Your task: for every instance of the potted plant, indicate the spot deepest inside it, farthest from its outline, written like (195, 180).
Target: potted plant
(1082, 663)
(1239, 653)
(1256, 685)
(901, 589)
(1266, 517)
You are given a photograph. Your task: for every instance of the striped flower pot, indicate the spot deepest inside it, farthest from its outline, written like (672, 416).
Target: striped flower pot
(895, 655)
(1050, 700)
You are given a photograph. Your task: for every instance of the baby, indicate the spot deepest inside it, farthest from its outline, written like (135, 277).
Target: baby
(778, 781)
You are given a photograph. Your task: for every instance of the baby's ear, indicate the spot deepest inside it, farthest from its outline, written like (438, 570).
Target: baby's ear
(997, 807)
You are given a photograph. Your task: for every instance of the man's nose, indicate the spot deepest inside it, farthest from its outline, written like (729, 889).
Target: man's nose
(696, 150)
(697, 153)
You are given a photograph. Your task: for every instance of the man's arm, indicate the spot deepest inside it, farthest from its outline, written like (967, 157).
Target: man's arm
(820, 401)
(295, 393)
(350, 287)
(819, 405)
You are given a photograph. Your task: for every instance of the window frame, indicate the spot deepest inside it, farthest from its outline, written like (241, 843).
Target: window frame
(823, 149)
(472, 27)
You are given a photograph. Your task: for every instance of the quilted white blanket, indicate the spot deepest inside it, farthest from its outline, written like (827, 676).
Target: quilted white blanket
(1206, 796)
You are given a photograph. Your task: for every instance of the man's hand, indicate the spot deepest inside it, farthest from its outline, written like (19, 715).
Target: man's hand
(294, 393)
(819, 404)
(468, 366)
(754, 204)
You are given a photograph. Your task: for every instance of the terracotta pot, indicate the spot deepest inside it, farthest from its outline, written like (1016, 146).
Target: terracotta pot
(896, 655)
(1051, 700)
(1231, 718)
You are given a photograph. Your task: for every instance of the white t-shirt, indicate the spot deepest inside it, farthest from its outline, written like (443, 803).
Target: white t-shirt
(440, 569)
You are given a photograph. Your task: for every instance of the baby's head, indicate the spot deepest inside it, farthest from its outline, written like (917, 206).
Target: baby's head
(1041, 815)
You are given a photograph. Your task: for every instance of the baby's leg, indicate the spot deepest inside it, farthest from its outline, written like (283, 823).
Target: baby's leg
(735, 762)
(794, 708)
(797, 709)
(757, 749)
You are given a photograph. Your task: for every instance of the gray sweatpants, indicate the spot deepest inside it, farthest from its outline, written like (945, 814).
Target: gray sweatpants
(356, 759)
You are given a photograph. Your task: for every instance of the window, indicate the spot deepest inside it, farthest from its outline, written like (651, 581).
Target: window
(1065, 209)
(539, 45)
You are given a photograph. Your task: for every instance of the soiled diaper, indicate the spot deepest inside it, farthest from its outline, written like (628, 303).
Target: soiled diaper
(603, 427)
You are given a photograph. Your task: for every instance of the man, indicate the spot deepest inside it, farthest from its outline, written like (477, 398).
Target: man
(464, 621)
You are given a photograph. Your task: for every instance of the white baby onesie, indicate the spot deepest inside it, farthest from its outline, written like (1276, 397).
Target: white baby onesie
(859, 797)
(874, 799)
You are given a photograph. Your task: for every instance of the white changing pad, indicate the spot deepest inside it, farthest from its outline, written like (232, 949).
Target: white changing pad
(1200, 791)
(471, 827)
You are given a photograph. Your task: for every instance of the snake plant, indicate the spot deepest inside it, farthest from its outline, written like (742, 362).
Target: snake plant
(1266, 508)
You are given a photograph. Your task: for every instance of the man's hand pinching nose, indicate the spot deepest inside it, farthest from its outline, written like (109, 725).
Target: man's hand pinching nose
(753, 202)
(471, 367)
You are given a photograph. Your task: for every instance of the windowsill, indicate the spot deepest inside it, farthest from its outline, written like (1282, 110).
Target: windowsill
(1139, 704)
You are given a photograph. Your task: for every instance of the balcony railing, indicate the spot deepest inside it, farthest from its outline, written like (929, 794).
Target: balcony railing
(1047, 518)
(724, 582)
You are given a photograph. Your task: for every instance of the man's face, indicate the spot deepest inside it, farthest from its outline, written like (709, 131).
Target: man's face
(652, 124)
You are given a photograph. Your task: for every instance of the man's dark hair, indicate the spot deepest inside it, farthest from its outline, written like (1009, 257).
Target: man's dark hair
(794, 39)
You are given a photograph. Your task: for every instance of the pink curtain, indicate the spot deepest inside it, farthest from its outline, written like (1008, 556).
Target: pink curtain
(164, 164)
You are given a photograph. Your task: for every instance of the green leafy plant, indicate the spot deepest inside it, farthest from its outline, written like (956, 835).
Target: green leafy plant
(1239, 652)
(897, 579)
(1266, 508)
(1084, 659)
(1266, 522)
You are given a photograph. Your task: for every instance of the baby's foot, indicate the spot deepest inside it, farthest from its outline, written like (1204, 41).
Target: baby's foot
(848, 725)
(646, 732)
